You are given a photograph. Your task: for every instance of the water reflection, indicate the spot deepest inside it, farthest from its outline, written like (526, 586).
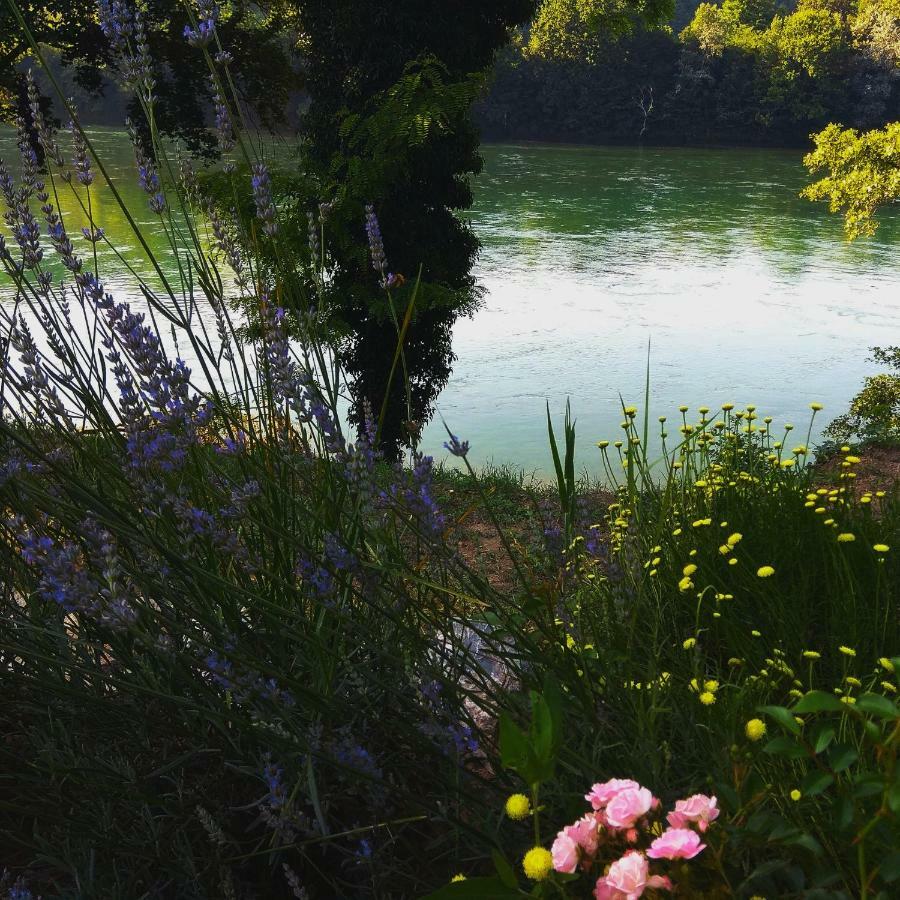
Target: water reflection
(748, 293)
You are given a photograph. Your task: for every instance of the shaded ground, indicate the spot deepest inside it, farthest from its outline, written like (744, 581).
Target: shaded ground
(525, 509)
(877, 470)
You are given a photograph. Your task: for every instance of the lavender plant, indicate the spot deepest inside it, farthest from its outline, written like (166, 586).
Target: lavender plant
(218, 607)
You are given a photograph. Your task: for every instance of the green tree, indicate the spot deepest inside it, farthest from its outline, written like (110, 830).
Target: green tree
(874, 414)
(862, 173)
(568, 29)
(712, 28)
(391, 87)
(259, 39)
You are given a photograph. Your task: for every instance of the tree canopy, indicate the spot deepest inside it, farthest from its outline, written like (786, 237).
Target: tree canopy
(862, 174)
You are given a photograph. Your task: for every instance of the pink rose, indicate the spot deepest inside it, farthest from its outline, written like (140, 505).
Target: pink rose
(628, 878)
(676, 843)
(584, 833)
(575, 842)
(565, 853)
(698, 809)
(601, 794)
(628, 806)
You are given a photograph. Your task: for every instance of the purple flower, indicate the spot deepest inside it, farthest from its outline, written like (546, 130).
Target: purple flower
(46, 133)
(148, 177)
(224, 128)
(376, 245)
(123, 24)
(207, 16)
(80, 158)
(262, 196)
(412, 494)
(457, 447)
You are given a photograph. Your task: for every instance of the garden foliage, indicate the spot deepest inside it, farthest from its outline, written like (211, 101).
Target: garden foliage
(241, 656)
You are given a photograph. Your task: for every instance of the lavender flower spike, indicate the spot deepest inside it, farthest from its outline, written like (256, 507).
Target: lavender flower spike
(207, 15)
(262, 195)
(456, 446)
(376, 245)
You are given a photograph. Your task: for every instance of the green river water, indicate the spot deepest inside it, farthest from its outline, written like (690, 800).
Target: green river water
(746, 293)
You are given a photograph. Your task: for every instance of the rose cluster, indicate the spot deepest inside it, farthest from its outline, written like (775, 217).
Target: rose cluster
(624, 817)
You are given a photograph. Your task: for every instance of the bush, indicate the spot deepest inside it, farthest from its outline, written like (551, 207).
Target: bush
(874, 416)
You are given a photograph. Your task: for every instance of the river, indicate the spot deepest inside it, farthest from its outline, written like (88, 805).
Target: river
(744, 292)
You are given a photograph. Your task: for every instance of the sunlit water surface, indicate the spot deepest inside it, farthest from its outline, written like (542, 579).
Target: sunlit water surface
(745, 293)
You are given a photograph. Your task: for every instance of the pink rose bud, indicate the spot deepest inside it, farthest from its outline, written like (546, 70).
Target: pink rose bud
(698, 809)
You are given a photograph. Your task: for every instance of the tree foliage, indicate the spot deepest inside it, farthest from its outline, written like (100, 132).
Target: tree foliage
(391, 87)
(874, 414)
(259, 38)
(566, 29)
(757, 72)
(862, 173)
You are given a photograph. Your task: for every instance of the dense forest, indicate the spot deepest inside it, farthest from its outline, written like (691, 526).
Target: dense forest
(750, 72)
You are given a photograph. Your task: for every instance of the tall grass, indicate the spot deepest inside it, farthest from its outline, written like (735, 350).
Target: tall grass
(242, 657)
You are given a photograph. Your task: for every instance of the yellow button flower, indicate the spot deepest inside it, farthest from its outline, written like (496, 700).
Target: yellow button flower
(795, 795)
(755, 729)
(881, 548)
(537, 863)
(518, 807)
(847, 651)
(765, 571)
(846, 537)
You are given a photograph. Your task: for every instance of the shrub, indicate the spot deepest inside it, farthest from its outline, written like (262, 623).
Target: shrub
(874, 415)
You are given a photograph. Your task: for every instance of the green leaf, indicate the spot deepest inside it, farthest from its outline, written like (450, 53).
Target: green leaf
(816, 782)
(842, 757)
(890, 867)
(893, 797)
(554, 696)
(877, 705)
(541, 728)
(783, 829)
(869, 785)
(726, 793)
(808, 842)
(504, 869)
(786, 747)
(783, 717)
(843, 814)
(513, 744)
(490, 888)
(822, 735)
(818, 701)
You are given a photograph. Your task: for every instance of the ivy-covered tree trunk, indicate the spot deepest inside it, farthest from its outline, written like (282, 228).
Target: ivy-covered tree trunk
(391, 85)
